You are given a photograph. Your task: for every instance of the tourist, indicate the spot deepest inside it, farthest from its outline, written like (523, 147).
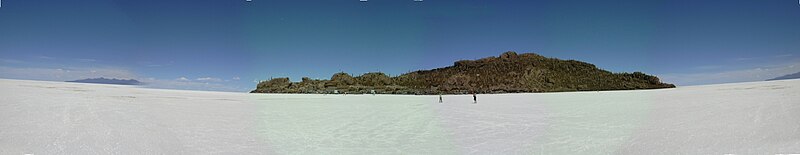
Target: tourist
(474, 98)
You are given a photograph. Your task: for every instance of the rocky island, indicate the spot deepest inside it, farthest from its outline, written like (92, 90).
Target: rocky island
(508, 73)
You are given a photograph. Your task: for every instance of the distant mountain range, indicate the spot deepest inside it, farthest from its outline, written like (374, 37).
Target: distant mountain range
(109, 81)
(790, 76)
(509, 73)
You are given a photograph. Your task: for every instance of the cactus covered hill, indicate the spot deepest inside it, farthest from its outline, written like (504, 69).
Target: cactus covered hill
(508, 73)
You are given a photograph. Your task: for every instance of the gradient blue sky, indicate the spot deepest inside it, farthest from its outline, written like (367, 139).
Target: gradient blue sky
(228, 44)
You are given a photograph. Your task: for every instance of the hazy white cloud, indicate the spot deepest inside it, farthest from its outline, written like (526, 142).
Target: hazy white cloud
(236, 78)
(182, 79)
(209, 79)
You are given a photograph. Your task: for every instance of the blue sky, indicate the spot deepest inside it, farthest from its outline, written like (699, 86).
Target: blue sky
(226, 45)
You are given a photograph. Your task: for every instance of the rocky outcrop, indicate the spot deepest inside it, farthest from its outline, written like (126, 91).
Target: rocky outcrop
(508, 73)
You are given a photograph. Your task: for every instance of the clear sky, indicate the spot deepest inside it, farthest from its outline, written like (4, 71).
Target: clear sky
(228, 44)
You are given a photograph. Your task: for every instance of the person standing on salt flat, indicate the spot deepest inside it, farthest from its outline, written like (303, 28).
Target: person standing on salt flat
(440, 98)
(474, 98)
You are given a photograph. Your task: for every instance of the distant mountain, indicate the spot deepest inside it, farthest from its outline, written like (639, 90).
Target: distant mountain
(109, 81)
(509, 73)
(790, 76)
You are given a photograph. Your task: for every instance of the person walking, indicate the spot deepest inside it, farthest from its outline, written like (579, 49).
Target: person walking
(474, 98)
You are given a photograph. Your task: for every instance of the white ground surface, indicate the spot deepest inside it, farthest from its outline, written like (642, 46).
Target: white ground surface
(71, 118)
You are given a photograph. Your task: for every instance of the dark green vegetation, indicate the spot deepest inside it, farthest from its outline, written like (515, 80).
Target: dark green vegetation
(509, 73)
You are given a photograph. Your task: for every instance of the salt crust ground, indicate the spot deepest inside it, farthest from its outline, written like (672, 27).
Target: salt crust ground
(71, 118)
